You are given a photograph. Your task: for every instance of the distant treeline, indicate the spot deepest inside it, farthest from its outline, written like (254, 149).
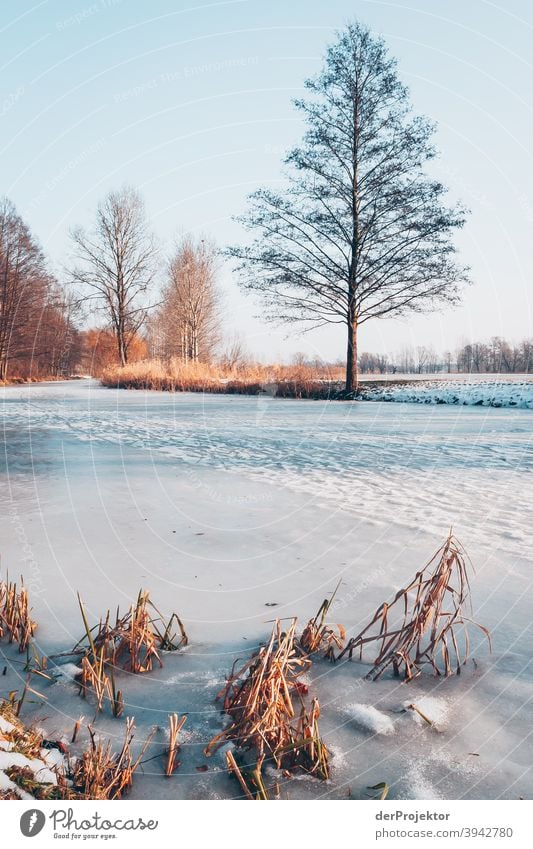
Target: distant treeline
(497, 356)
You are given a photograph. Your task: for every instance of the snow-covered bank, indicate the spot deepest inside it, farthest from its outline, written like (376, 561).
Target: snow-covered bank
(235, 510)
(480, 393)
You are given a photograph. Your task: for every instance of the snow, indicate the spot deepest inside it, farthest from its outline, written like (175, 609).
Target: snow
(37, 766)
(370, 719)
(436, 710)
(222, 505)
(483, 391)
(5, 725)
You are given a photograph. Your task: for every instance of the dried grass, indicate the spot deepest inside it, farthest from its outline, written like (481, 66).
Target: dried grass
(15, 614)
(25, 740)
(97, 774)
(132, 643)
(101, 774)
(319, 637)
(421, 625)
(260, 700)
(299, 380)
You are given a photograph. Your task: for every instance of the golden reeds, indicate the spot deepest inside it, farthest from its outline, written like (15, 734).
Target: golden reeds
(419, 627)
(15, 614)
(97, 774)
(297, 380)
(132, 642)
(260, 700)
(320, 637)
(100, 774)
(175, 724)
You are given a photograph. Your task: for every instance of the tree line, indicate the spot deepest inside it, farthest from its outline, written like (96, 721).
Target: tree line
(496, 356)
(361, 231)
(113, 282)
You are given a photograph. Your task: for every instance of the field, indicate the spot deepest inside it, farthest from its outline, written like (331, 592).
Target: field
(234, 510)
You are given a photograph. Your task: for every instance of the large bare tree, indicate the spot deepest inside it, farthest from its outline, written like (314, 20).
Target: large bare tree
(361, 230)
(116, 264)
(187, 324)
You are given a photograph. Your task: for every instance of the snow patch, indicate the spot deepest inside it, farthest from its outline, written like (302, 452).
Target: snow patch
(435, 709)
(370, 718)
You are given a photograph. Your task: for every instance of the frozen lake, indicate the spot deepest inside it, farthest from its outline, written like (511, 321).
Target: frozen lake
(220, 505)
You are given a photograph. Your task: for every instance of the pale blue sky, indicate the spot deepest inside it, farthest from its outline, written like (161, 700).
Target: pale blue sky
(191, 103)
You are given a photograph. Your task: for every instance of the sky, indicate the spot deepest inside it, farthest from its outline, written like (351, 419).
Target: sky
(190, 102)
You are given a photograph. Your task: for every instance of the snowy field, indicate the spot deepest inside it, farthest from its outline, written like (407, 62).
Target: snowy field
(472, 390)
(222, 506)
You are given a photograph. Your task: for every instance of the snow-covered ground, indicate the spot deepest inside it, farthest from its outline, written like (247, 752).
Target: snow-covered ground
(476, 391)
(223, 506)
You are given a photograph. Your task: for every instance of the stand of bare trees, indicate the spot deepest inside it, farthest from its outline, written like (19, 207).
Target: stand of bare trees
(498, 356)
(187, 324)
(38, 335)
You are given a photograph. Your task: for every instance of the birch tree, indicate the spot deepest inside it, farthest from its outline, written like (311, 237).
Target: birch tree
(187, 324)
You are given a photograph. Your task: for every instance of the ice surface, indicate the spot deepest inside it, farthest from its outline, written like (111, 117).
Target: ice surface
(223, 505)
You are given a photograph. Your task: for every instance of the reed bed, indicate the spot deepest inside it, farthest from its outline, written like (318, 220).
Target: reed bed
(420, 626)
(15, 614)
(319, 637)
(132, 642)
(299, 380)
(101, 774)
(264, 700)
(98, 773)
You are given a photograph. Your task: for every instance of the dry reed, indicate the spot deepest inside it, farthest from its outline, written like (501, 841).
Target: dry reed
(299, 380)
(175, 724)
(320, 637)
(101, 774)
(132, 642)
(15, 614)
(260, 700)
(421, 623)
(97, 774)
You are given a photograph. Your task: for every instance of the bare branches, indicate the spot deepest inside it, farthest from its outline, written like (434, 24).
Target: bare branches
(361, 231)
(187, 324)
(116, 263)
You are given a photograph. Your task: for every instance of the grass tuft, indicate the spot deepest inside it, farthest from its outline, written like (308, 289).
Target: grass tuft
(420, 627)
(264, 701)
(15, 614)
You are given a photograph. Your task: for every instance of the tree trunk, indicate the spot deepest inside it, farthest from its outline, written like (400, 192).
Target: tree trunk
(122, 351)
(352, 374)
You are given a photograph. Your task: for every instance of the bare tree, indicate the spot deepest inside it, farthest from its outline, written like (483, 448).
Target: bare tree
(361, 231)
(187, 324)
(117, 264)
(234, 355)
